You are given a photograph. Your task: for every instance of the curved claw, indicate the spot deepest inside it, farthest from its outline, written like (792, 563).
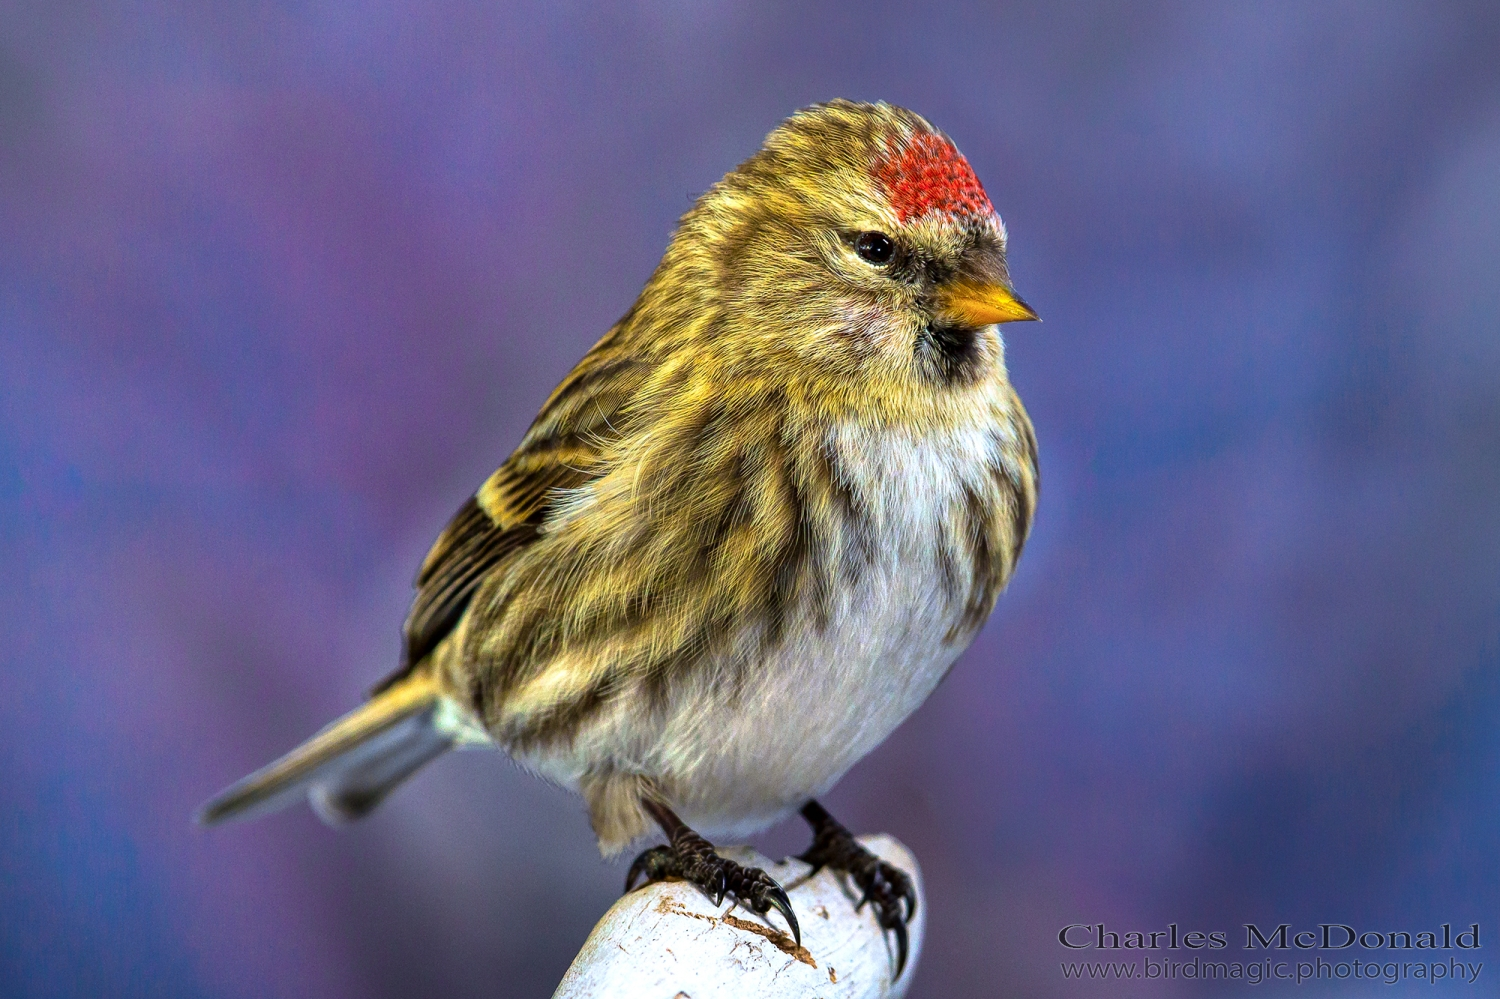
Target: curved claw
(721, 886)
(636, 870)
(776, 896)
(899, 928)
(646, 863)
(909, 893)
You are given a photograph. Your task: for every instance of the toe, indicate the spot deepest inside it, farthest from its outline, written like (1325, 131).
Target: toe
(655, 863)
(908, 895)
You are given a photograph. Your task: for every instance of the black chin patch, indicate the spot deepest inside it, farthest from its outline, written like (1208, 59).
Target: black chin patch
(949, 355)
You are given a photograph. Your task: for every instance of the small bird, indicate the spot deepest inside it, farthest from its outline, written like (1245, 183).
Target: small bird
(746, 536)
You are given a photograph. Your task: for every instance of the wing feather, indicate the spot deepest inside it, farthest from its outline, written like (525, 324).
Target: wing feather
(567, 447)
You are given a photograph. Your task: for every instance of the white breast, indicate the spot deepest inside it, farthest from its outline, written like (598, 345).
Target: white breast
(828, 696)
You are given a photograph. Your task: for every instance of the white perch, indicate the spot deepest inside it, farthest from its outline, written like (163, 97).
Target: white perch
(669, 941)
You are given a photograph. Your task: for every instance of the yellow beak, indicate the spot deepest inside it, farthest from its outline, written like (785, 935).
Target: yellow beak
(982, 304)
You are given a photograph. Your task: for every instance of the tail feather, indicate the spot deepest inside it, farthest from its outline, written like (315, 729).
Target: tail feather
(346, 769)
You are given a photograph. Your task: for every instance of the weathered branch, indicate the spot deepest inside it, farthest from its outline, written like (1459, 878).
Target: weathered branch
(669, 941)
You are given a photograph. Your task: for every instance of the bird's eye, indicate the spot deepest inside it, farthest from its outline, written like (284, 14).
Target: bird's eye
(876, 247)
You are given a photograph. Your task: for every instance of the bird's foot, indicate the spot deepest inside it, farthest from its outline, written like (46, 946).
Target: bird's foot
(692, 858)
(886, 887)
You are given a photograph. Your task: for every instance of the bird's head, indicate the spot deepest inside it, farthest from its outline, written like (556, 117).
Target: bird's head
(857, 250)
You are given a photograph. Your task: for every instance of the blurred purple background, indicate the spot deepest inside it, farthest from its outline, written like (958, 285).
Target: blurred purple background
(281, 283)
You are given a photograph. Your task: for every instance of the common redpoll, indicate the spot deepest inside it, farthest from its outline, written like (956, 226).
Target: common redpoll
(746, 536)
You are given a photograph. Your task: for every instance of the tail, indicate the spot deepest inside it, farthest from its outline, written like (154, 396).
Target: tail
(349, 767)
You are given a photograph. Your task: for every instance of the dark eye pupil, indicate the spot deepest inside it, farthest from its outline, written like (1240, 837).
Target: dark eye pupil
(876, 247)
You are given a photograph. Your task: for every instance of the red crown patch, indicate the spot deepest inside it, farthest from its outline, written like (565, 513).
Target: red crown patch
(929, 174)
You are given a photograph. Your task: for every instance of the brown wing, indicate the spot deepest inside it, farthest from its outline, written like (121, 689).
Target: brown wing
(567, 446)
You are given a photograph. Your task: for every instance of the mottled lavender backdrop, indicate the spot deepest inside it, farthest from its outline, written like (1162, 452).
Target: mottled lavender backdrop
(281, 283)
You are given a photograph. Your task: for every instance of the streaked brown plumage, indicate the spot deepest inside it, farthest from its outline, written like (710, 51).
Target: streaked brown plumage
(755, 525)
